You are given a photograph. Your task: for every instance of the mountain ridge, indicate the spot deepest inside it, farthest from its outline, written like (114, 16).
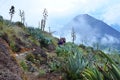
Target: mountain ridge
(91, 20)
(91, 30)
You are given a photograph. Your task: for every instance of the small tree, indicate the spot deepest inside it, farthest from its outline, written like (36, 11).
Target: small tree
(43, 21)
(12, 11)
(22, 16)
(73, 35)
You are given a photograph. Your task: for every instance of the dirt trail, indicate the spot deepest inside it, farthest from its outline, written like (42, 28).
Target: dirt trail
(21, 56)
(34, 75)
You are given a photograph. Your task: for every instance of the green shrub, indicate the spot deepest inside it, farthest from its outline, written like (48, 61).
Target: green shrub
(67, 49)
(13, 46)
(74, 66)
(24, 65)
(54, 65)
(8, 22)
(82, 46)
(41, 72)
(30, 57)
(36, 42)
(37, 34)
(72, 60)
(45, 42)
(19, 24)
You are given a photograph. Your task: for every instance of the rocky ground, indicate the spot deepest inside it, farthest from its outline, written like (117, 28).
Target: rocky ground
(9, 68)
(16, 43)
(35, 75)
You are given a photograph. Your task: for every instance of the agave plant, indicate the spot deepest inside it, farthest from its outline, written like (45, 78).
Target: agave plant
(74, 66)
(67, 49)
(110, 70)
(115, 71)
(95, 65)
(92, 74)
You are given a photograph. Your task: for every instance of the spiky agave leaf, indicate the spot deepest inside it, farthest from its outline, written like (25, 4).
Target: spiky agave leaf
(115, 72)
(92, 74)
(104, 72)
(75, 65)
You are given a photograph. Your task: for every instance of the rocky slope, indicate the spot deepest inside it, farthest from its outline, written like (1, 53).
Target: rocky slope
(9, 68)
(23, 50)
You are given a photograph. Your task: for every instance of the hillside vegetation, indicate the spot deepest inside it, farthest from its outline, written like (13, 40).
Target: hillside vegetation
(37, 54)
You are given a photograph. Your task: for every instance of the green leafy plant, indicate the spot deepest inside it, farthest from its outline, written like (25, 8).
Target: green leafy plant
(108, 68)
(74, 66)
(92, 74)
(30, 57)
(37, 34)
(41, 72)
(24, 65)
(19, 24)
(85, 63)
(72, 60)
(13, 46)
(54, 65)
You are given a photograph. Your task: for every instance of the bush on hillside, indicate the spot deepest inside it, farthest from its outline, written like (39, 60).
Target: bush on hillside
(30, 57)
(19, 24)
(24, 65)
(14, 47)
(43, 39)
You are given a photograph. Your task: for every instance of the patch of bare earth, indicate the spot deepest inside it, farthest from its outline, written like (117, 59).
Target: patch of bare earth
(48, 76)
(9, 68)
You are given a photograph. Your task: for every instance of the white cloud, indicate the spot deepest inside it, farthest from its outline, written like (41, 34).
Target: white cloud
(62, 9)
(107, 39)
(112, 14)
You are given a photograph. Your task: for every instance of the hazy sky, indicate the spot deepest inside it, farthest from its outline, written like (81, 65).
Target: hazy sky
(60, 12)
